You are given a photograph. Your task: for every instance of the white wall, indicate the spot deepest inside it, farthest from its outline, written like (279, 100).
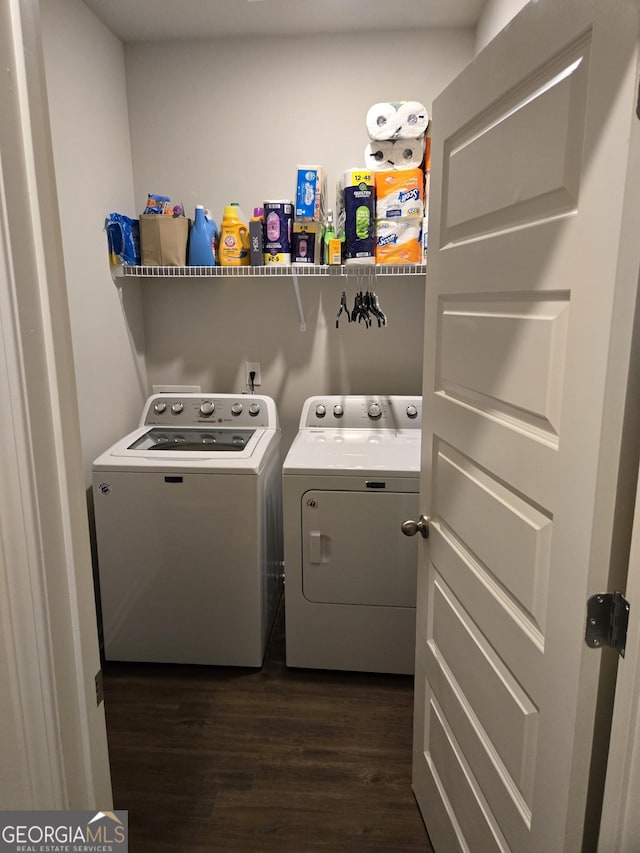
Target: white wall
(215, 122)
(495, 16)
(84, 65)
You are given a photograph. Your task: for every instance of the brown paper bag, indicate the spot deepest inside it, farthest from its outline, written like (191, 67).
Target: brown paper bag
(163, 240)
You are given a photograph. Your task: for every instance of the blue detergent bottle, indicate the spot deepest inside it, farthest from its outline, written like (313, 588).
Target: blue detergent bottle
(200, 252)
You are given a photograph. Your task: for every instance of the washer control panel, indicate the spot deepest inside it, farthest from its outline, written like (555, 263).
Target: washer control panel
(219, 409)
(362, 412)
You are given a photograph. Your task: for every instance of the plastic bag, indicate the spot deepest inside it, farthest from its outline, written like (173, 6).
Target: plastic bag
(123, 237)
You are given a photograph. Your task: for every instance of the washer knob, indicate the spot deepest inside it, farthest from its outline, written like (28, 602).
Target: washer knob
(177, 408)
(338, 411)
(412, 412)
(254, 409)
(159, 408)
(207, 408)
(236, 408)
(375, 410)
(321, 411)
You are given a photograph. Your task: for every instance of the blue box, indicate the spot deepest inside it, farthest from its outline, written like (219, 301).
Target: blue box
(310, 194)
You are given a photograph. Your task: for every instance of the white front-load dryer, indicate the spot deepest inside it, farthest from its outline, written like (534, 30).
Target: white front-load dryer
(189, 532)
(350, 478)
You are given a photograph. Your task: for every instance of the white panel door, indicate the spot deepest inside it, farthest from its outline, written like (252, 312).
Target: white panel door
(531, 290)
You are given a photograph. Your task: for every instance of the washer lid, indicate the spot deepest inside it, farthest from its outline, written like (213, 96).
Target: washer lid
(163, 440)
(208, 457)
(393, 452)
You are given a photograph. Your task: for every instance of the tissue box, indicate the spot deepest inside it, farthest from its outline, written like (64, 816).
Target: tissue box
(311, 191)
(163, 240)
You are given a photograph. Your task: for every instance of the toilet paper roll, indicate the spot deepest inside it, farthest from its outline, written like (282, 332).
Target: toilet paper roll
(399, 154)
(408, 153)
(412, 120)
(379, 155)
(382, 120)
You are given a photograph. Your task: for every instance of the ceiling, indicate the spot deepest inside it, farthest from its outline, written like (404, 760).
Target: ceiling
(161, 20)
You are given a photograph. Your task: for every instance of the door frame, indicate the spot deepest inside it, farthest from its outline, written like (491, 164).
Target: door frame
(50, 651)
(620, 826)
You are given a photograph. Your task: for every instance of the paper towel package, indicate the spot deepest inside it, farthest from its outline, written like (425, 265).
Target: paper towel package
(356, 197)
(311, 191)
(399, 192)
(306, 243)
(399, 241)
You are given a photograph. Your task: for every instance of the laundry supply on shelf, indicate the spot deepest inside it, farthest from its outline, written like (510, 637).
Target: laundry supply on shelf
(394, 154)
(397, 120)
(200, 241)
(233, 245)
(123, 239)
(399, 241)
(306, 242)
(158, 204)
(329, 255)
(311, 191)
(355, 199)
(256, 237)
(278, 220)
(399, 192)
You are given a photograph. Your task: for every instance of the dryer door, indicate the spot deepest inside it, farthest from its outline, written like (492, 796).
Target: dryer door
(352, 549)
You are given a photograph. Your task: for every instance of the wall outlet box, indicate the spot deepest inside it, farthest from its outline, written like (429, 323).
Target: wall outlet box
(253, 367)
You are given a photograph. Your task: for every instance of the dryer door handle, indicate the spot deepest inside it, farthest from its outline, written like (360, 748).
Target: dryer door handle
(315, 546)
(319, 548)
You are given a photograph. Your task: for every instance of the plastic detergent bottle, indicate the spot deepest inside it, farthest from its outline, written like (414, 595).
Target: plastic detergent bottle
(200, 252)
(213, 232)
(329, 234)
(234, 239)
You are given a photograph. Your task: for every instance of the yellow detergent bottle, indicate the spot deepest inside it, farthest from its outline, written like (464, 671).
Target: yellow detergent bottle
(234, 239)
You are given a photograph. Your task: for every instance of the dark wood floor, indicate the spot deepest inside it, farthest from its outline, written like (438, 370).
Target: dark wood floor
(220, 759)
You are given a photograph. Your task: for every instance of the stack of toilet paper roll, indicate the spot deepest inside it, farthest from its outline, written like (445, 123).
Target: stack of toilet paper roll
(397, 132)
(394, 153)
(398, 155)
(397, 120)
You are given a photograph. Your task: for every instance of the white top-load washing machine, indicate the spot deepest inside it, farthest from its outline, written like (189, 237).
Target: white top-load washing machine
(350, 478)
(188, 511)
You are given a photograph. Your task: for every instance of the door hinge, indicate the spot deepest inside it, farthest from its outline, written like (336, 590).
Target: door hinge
(607, 621)
(99, 687)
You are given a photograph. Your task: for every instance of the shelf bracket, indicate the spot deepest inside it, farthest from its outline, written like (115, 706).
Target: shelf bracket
(296, 288)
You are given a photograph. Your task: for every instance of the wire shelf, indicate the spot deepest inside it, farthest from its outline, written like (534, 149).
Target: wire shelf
(299, 270)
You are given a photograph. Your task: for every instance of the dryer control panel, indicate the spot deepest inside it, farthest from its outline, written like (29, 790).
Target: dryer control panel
(362, 412)
(220, 409)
